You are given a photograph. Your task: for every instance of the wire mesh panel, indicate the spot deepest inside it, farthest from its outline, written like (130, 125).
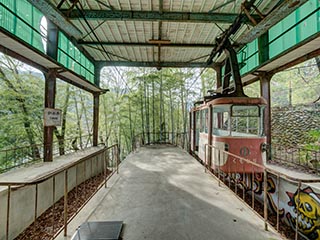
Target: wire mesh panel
(23, 20)
(250, 56)
(298, 26)
(71, 57)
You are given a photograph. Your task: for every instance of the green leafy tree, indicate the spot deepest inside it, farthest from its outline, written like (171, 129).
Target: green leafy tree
(21, 105)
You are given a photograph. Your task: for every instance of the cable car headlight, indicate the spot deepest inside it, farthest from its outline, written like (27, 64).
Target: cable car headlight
(226, 147)
(263, 147)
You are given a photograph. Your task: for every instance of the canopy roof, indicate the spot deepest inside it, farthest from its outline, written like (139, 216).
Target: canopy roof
(89, 34)
(164, 33)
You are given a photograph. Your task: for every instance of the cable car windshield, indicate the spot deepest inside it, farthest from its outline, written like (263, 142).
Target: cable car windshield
(238, 120)
(246, 120)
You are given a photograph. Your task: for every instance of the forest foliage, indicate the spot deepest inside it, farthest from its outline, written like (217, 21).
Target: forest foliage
(141, 102)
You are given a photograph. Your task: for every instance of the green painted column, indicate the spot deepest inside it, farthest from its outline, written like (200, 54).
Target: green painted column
(263, 46)
(96, 100)
(97, 72)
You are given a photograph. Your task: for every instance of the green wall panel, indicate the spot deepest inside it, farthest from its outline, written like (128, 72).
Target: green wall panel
(292, 30)
(23, 20)
(249, 56)
(71, 57)
(298, 26)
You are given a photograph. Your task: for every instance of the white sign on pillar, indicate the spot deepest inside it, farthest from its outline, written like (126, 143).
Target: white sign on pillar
(52, 117)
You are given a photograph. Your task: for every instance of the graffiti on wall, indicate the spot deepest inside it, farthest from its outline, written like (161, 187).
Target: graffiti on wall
(272, 194)
(306, 208)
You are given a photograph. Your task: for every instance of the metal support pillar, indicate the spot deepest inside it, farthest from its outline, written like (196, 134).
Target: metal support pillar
(50, 94)
(263, 45)
(226, 78)
(218, 70)
(97, 73)
(52, 43)
(95, 118)
(265, 92)
(50, 90)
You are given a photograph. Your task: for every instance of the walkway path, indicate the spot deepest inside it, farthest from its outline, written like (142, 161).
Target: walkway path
(163, 193)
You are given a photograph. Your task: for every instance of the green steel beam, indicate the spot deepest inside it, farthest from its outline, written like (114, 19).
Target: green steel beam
(155, 16)
(273, 18)
(156, 64)
(145, 44)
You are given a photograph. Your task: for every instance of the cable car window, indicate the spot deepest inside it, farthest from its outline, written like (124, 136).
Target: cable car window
(205, 120)
(198, 121)
(221, 121)
(245, 121)
(198, 118)
(191, 120)
(262, 133)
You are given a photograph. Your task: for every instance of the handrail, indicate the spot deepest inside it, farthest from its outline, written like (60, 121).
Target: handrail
(102, 166)
(296, 156)
(31, 157)
(172, 137)
(287, 177)
(56, 172)
(292, 179)
(266, 170)
(41, 144)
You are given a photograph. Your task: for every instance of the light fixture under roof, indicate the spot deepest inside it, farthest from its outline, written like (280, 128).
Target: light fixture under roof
(159, 41)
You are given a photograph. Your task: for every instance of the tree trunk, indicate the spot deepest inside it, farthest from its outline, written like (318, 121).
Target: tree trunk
(79, 115)
(84, 110)
(318, 62)
(61, 136)
(161, 109)
(146, 100)
(142, 117)
(172, 117)
(153, 112)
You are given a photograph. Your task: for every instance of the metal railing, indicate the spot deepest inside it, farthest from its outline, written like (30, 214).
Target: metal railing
(19, 156)
(177, 139)
(302, 157)
(82, 170)
(236, 182)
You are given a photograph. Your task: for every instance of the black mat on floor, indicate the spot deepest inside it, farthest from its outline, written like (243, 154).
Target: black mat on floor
(99, 230)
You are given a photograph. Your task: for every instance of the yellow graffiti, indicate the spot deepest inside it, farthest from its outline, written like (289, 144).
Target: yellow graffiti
(308, 212)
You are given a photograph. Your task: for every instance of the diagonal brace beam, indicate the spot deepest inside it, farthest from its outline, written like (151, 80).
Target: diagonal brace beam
(271, 19)
(55, 16)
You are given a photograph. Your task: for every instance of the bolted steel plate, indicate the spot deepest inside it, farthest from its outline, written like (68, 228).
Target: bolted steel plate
(110, 230)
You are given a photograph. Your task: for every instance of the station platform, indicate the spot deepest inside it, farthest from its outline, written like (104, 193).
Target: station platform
(161, 192)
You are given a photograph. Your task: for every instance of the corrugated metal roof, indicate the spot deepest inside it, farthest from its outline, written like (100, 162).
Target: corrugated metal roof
(120, 31)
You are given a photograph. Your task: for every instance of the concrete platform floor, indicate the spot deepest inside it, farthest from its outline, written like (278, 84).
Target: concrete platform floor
(162, 193)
